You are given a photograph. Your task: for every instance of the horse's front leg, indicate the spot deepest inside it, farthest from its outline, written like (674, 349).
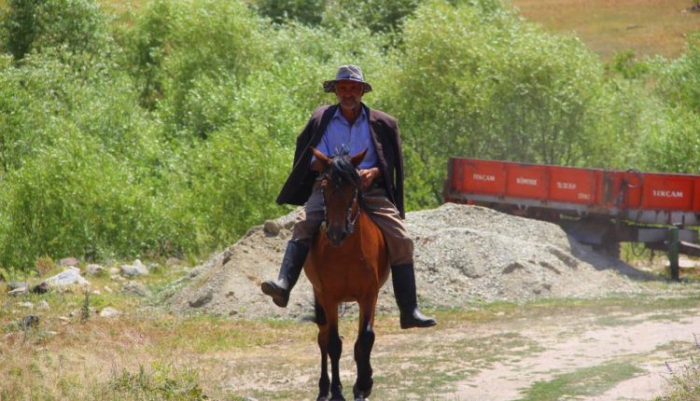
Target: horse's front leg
(324, 382)
(335, 349)
(363, 349)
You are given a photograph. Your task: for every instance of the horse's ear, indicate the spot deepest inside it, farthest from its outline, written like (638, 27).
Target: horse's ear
(357, 159)
(320, 156)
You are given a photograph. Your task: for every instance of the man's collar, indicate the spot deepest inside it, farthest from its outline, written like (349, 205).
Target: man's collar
(363, 112)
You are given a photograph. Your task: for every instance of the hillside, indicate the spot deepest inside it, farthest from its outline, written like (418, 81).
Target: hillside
(648, 28)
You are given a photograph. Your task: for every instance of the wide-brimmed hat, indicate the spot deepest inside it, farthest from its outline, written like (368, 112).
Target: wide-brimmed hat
(347, 73)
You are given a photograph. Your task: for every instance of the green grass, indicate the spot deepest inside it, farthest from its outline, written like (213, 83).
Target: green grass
(590, 381)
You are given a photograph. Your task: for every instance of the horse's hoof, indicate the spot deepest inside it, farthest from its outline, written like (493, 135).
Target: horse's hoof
(361, 395)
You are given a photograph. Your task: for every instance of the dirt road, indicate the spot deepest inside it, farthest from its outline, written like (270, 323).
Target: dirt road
(645, 342)
(565, 350)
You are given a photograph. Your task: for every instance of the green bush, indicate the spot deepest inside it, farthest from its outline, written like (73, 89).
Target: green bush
(73, 200)
(672, 143)
(309, 12)
(83, 171)
(74, 26)
(175, 44)
(476, 81)
(679, 80)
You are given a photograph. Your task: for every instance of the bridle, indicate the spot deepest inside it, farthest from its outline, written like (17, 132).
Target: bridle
(350, 217)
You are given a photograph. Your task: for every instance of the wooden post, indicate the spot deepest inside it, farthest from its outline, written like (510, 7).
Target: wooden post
(673, 251)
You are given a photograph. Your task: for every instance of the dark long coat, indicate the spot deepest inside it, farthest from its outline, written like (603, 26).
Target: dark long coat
(387, 141)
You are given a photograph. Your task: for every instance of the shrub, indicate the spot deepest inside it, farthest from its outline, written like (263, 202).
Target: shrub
(175, 44)
(308, 12)
(476, 81)
(75, 26)
(73, 200)
(679, 80)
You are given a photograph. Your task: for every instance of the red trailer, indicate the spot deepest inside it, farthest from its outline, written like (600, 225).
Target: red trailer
(597, 207)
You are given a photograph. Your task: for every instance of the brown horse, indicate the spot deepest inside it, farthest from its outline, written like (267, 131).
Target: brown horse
(349, 263)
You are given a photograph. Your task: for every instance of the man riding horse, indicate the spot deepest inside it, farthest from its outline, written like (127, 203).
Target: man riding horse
(351, 126)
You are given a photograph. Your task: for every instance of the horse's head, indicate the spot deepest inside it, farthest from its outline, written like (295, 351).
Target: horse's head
(340, 185)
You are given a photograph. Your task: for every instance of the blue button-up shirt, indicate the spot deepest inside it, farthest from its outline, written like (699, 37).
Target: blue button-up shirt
(340, 135)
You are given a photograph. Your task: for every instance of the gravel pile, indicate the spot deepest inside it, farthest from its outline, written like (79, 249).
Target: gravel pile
(464, 254)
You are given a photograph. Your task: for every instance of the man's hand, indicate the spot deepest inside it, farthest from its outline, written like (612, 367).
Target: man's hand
(368, 176)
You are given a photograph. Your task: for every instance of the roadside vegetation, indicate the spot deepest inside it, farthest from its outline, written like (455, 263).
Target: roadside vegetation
(157, 128)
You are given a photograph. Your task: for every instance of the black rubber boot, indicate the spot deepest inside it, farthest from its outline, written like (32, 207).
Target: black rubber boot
(292, 263)
(404, 280)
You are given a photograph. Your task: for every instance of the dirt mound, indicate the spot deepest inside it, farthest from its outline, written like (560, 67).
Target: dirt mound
(463, 254)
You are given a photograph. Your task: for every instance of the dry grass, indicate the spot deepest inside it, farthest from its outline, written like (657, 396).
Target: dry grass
(647, 27)
(145, 353)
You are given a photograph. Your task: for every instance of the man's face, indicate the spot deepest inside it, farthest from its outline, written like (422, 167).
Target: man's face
(349, 94)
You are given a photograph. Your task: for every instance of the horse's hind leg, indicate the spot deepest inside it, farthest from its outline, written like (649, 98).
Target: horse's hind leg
(363, 349)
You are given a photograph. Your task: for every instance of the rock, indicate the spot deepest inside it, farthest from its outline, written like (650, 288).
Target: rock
(69, 262)
(172, 262)
(272, 227)
(110, 312)
(135, 269)
(70, 276)
(18, 291)
(137, 289)
(94, 270)
(203, 300)
(15, 285)
(196, 271)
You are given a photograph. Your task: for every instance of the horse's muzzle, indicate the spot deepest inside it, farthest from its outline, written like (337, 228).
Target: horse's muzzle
(336, 236)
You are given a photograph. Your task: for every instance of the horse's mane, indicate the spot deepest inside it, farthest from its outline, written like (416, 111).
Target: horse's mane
(342, 168)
